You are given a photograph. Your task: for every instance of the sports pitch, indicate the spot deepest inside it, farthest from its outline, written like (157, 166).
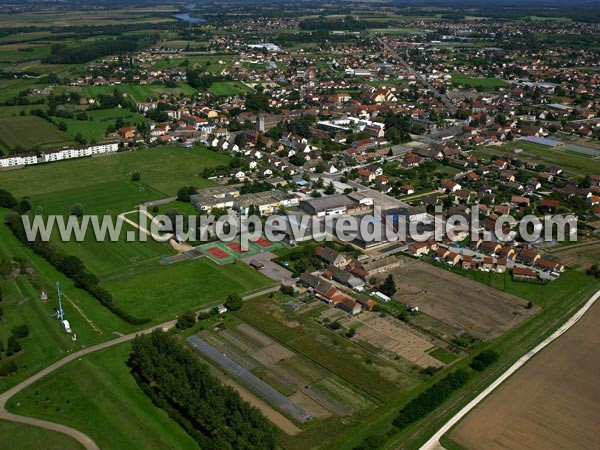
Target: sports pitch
(228, 252)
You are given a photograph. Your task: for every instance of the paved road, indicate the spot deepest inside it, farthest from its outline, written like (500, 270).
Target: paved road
(83, 438)
(434, 442)
(450, 106)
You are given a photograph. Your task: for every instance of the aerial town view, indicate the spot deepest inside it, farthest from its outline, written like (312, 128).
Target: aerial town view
(266, 224)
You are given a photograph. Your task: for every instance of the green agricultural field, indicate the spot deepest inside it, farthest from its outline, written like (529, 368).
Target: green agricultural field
(139, 92)
(18, 435)
(350, 362)
(225, 88)
(485, 83)
(29, 132)
(164, 290)
(576, 163)
(98, 396)
(22, 52)
(103, 184)
(100, 119)
(12, 111)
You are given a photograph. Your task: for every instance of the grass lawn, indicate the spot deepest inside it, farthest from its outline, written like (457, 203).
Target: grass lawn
(103, 184)
(161, 291)
(98, 396)
(542, 294)
(29, 132)
(443, 355)
(21, 436)
(485, 83)
(22, 304)
(224, 88)
(103, 258)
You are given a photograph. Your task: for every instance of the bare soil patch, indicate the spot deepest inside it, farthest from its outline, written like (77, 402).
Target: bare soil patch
(553, 403)
(390, 335)
(466, 305)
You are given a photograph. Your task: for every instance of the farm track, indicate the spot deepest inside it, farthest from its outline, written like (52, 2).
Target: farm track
(81, 437)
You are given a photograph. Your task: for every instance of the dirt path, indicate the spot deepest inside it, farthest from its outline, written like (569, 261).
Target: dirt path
(83, 438)
(434, 442)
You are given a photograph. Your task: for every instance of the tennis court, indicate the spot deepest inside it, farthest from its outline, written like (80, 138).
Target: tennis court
(218, 253)
(228, 252)
(237, 247)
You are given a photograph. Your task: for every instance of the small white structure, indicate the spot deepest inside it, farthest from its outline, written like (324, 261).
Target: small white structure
(221, 309)
(382, 297)
(66, 325)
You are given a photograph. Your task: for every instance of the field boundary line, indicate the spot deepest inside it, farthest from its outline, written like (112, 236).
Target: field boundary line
(434, 442)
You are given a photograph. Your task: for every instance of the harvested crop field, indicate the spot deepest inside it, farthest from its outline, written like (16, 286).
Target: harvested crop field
(584, 255)
(552, 403)
(393, 336)
(464, 304)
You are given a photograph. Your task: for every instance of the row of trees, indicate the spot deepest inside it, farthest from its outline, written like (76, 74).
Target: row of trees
(214, 415)
(71, 266)
(431, 398)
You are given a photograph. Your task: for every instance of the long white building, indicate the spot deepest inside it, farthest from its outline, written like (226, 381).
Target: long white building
(27, 159)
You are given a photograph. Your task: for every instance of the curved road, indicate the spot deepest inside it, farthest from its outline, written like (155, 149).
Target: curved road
(83, 438)
(434, 442)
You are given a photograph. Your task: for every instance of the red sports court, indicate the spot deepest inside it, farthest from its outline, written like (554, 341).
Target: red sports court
(217, 253)
(236, 247)
(263, 242)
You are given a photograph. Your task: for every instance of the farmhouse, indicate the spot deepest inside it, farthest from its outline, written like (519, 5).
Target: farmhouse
(332, 257)
(366, 302)
(350, 306)
(318, 285)
(343, 277)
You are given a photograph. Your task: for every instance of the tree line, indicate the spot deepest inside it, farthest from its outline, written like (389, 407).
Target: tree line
(62, 54)
(213, 414)
(71, 266)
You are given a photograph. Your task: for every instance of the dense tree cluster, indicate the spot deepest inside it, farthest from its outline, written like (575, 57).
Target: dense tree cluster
(71, 266)
(594, 271)
(176, 380)
(483, 360)
(431, 398)
(62, 54)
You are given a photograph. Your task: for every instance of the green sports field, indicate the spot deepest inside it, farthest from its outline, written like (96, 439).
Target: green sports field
(29, 132)
(159, 291)
(485, 83)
